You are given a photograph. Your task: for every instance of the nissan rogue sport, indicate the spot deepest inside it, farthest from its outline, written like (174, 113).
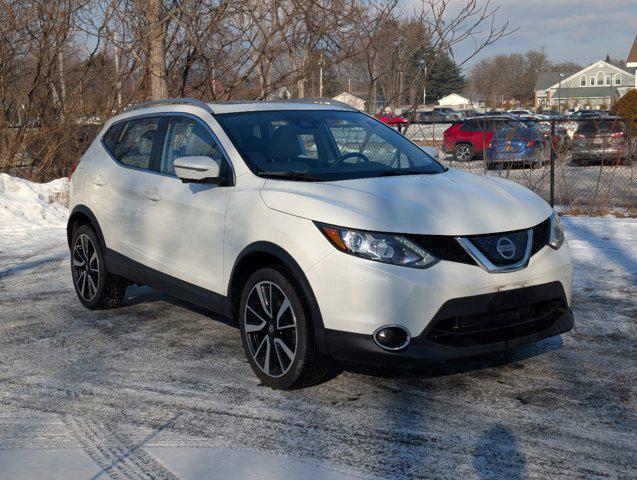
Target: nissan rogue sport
(325, 234)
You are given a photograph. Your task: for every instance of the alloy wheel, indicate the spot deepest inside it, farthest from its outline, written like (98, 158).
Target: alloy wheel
(463, 153)
(86, 267)
(270, 328)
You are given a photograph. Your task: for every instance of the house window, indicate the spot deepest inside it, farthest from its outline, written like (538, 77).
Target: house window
(582, 81)
(600, 78)
(592, 79)
(618, 79)
(607, 79)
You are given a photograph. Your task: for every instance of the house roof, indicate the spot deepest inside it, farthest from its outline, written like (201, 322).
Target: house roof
(454, 95)
(632, 56)
(347, 95)
(547, 79)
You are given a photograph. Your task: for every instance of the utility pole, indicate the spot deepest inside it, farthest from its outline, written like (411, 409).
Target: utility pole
(424, 91)
(321, 76)
(559, 108)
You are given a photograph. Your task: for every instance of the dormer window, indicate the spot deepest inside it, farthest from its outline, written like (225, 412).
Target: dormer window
(592, 79)
(582, 81)
(618, 79)
(607, 79)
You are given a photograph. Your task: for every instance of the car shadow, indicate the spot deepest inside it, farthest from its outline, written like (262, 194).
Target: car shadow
(138, 295)
(498, 455)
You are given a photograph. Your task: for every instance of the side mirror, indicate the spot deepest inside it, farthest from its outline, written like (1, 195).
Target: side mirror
(432, 152)
(198, 169)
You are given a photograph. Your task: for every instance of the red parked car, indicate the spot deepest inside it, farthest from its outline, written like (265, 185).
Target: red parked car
(390, 118)
(469, 138)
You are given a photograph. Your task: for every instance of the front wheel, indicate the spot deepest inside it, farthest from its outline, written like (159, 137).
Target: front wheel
(276, 332)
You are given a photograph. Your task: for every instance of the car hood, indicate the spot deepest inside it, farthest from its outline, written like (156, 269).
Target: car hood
(450, 203)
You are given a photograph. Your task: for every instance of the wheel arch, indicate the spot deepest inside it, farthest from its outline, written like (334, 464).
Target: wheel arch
(82, 215)
(265, 254)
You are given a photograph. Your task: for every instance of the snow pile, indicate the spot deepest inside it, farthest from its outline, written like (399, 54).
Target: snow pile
(29, 209)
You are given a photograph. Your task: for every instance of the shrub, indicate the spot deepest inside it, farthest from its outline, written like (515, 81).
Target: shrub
(626, 107)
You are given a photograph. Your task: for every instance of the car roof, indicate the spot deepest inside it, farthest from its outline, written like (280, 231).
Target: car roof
(488, 118)
(193, 106)
(260, 106)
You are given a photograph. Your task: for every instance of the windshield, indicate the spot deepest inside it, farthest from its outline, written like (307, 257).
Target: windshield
(323, 145)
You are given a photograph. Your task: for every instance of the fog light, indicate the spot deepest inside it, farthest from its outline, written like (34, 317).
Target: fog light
(392, 337)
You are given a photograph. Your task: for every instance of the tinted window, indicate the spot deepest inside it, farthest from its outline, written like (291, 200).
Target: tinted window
(600, 126)
(186, 137)
(469, 126)
(323, 145)
(136, 142)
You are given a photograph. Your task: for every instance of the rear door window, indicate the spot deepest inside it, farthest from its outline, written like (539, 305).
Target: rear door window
(136, 141)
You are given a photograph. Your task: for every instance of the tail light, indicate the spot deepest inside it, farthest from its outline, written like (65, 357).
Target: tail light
(530, 143)
(73, 168)
(617, 135)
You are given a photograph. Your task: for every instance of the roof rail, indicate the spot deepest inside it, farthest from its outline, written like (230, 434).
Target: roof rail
(172, 101)
(319, 101)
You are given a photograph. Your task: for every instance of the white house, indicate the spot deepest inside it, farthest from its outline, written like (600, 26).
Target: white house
(596, 85)
(456, 101)
(351, 100)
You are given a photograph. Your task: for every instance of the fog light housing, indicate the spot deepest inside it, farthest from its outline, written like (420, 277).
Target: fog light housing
(392, 337)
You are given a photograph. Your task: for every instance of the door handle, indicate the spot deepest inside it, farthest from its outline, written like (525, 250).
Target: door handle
(98, 181)
(153, 196)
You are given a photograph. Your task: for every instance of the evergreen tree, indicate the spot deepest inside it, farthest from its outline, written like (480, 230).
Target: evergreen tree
(443, 78)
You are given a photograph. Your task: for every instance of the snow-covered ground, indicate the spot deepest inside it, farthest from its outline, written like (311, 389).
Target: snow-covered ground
(160, 389)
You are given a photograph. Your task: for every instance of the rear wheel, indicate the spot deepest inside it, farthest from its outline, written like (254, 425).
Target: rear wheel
(276, 331)
(463, 152)
(94, 285)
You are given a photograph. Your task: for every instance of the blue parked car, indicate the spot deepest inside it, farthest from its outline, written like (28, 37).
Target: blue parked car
(519, 146)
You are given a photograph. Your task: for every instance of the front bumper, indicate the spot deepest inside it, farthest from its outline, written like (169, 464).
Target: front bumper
(359, 296)
(469, 326)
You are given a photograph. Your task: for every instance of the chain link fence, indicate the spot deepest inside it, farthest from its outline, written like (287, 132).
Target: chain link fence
(587, 164)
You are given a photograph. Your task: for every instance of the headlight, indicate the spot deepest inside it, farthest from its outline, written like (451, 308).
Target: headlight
(380, 247)
(556, 238)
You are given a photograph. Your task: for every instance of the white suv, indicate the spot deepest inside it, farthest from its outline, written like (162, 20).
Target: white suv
(323, 232)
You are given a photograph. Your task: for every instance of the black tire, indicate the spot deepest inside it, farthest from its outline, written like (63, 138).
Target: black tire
(97, 289)
(308, 365)
(463, 152)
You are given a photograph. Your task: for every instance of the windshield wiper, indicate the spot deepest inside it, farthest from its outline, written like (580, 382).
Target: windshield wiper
(404, 171)
(292, 176)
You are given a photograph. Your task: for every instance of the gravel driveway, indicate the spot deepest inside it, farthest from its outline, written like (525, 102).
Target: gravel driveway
(160, 374)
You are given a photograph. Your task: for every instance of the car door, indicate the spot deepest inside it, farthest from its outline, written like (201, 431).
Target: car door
(116, 183)
(184, 223)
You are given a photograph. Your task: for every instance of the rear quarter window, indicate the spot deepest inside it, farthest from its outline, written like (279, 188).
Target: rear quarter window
(110, 138)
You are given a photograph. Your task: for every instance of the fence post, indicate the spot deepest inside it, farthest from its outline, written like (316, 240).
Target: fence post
(553, 154)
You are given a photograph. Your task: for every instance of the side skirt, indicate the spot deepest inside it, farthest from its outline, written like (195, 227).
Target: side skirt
(129, 269)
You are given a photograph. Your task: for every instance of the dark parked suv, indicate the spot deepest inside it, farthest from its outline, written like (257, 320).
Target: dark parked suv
(603, 139)
(469, 138)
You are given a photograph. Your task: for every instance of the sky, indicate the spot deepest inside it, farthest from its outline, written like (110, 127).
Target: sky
(569, 30)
